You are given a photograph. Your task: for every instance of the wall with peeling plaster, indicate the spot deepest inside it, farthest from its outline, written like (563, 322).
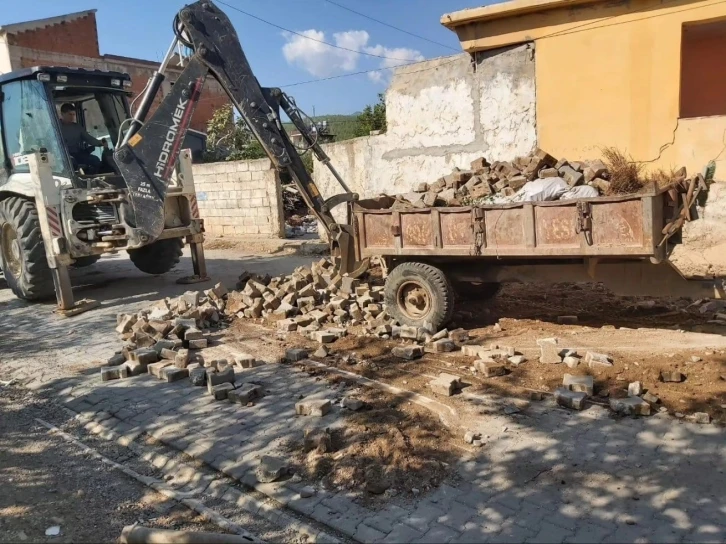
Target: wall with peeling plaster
(441, 113)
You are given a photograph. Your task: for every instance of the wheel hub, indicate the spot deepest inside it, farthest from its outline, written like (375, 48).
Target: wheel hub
(11, 249)
(414, 299)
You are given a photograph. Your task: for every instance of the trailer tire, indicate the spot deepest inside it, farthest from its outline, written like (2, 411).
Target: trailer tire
(88, 260)
(158, 257)
(419, 294)
(22, 251)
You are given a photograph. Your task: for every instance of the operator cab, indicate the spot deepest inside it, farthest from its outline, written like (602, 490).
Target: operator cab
(67, 112)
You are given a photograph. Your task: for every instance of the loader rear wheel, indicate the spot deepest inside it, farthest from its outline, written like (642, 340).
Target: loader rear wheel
(418, 294)
(158, 257)
(83, 262)
(22, 251)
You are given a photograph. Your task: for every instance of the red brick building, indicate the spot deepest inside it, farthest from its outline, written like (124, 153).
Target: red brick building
(72, 40)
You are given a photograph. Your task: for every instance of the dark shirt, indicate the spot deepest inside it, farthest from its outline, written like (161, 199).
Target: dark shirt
(74, 135)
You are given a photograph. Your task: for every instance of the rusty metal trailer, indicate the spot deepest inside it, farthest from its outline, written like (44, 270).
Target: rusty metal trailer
(429, 254)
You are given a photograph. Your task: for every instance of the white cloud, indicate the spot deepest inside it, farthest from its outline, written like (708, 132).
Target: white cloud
(322, 60)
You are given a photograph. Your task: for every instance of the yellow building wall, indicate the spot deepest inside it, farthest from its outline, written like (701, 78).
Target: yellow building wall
(608, 74)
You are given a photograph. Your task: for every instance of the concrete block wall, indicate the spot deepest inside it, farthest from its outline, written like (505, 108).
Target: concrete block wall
(240, 198)
(441, 113)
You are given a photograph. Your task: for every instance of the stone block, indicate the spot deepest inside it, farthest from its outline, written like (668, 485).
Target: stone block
(109, 373)
(245, 360)
(594, 359)
(167, 354)
(407, 352)
(270, 469)
(635, 389)
(352, 403)
(702, 418)
(198, 376)
(549, 351)
(570, 399)
(517, 182)
(287, 325)
(247, 392)
(223, 376)
(516, 360)
(155, 368)
(580, 384)
(571, 176)
(132, 368)
(144, 356)
(490, 368)
(445, 384)
(650, 398)
(323, 337)
(671, 376)
(125, 323)
(174, 373)
(312, 407)
(182, 358)
(459, 335)
(220, 392)
(549, 173)
(192, 333)
(348, 285)
(198, 344)
(296, 354)
(630, 406)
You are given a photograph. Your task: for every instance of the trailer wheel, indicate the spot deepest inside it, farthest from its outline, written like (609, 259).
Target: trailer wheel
(83, 262)
(22, 252)
(158, 257)
(417, 294)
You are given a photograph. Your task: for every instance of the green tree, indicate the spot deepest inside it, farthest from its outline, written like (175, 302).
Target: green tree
(229, 139)
(372, 118)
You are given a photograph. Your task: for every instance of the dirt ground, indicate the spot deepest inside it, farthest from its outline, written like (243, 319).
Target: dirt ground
(48, 482)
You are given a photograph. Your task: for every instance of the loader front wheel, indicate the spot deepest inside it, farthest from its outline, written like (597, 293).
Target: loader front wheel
(22, 252)
(158, 257)
(419, 294)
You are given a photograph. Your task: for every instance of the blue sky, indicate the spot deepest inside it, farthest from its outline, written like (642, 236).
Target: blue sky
(142, 28)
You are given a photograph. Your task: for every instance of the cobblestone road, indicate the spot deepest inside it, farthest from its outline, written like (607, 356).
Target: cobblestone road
(546, 475)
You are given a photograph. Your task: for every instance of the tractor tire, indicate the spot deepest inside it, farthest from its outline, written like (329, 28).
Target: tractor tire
(83, 262)
(158, 257)
(419, 294)
(22, 252)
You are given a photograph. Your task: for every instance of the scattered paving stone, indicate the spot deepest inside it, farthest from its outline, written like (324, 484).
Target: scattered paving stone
(594, 359)
(247, 392)
(490, 369)
(133, 368)
(579, 384)
(270, 469)
(695, 359)
(220, 392)
(440, 346)
(550, 353)
(570, 399)
(312, 407)
(116, 360)
(319, 440)
(224, 376)
(144, 356)
(173, 373)
(635, 389)
(307, 492)
(110, 373)
(324, 337)
(198, 344)
(321, 352)
(155, 368)
(671, 376)
(536, 395)
(296, 354)
(477, 443)
(445, 384)
(459, 335)
(352, 403)
(517, 360)
(702, 417)
(571, 362)
(651, 398)
(444, 333)
(407, 352)
(567, 319)
(511, 410)
(198, 376)
(181, 360)
(630, 406)
(245, 360)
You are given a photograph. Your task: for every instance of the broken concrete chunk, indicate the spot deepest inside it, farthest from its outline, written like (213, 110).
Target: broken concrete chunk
(321, 352)
(671, 376)
(570, 399)
(630, 406)
(312, 407)
(220, 392)
(650, 398)
(407, 352)
(702, 418)
(580, 384)
(635, 389)
(270, 469)
(352, 403)
(116, 360)
(516, 360)
(549, 352)
(470, 436)
(571, 361)
(459, 335)
(445, 384)
(125, 322)
(443, 345)
(594, 359)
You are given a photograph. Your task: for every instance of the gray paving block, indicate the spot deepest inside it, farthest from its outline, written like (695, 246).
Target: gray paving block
(402, 533)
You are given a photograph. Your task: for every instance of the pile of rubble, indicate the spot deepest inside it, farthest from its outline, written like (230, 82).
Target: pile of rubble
(538, 176)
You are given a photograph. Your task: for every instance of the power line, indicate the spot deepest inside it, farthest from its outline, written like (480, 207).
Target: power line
(308, 37)
(391, 26)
